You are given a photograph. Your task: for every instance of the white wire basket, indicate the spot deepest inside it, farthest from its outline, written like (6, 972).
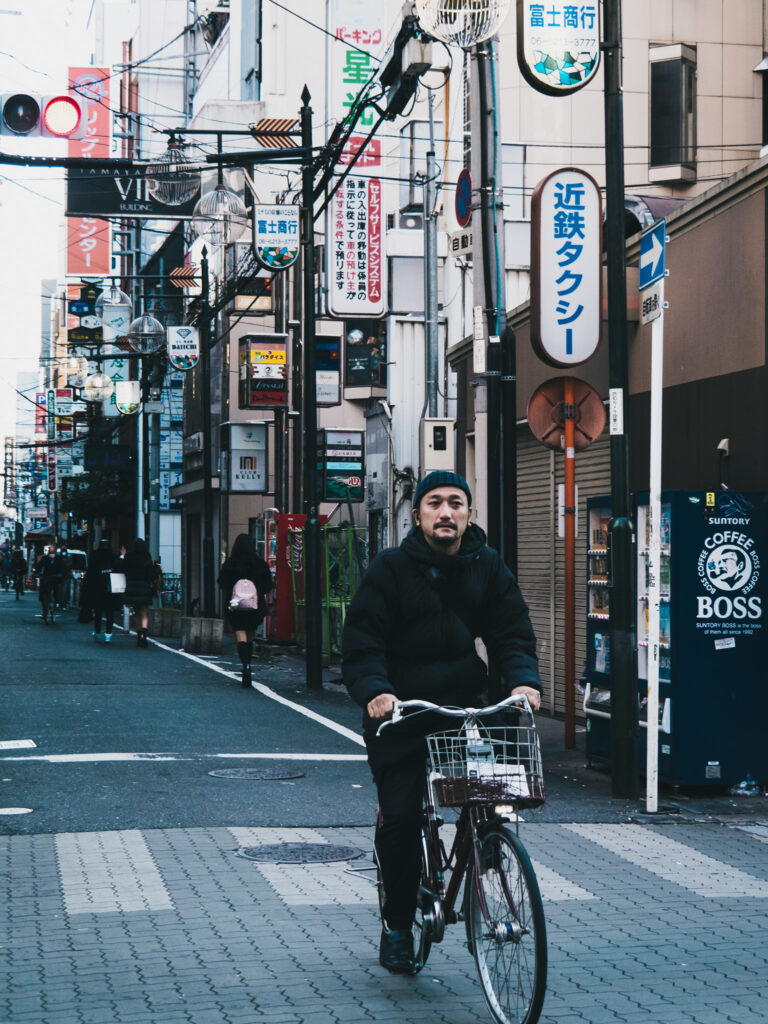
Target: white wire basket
(479, 764)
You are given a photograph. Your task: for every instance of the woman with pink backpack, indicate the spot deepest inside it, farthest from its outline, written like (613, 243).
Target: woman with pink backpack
(245, 581)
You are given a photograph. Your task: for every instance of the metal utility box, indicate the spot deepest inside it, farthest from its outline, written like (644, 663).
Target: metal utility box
(436, 445)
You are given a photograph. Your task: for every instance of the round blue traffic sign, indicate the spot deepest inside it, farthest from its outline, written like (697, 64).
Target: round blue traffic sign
(464, 199)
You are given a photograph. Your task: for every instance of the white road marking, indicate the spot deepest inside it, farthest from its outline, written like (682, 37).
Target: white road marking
(758, 831)
(17, 744)
(673, 861)
(109, 872)
(321, 719)
(555, 887)
(99, 758)
(15, 810)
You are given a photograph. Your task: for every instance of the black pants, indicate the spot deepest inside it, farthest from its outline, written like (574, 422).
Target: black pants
(109, 615)
(398, 838)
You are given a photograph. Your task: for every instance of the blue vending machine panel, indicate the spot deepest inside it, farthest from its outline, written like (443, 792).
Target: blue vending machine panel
(714, 682)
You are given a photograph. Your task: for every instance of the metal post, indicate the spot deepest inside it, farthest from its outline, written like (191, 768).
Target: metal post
(205, 373)
(153, 532)
(569, 492)
(312, 588)
(622, 568)
(509, 448)
(430, 273)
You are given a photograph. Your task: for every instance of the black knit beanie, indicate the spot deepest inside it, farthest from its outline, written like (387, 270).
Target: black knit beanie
(440, 478)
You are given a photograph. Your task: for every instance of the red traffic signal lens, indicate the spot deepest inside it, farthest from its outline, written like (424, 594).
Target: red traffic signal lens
(61, 116)
(21, 113)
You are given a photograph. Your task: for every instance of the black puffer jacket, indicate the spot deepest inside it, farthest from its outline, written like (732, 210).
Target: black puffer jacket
(411, 627)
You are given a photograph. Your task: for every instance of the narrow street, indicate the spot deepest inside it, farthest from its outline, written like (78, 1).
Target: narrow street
(128, 899)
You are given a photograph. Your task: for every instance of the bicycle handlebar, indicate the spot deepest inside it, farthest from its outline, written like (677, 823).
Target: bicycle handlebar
(520, 700)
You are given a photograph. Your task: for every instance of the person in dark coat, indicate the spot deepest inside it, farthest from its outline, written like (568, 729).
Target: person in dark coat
(410, 633)
(95, 593)
(19, 570)
(244, 564)
(140, 576)
(49, 570)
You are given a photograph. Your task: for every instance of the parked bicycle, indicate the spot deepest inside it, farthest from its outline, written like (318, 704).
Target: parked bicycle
(490, 771)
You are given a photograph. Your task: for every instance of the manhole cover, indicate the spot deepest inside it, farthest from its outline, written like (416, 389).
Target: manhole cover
(257, 774)
(299, 853)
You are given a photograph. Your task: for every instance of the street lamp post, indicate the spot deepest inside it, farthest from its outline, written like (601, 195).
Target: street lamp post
(205, 382)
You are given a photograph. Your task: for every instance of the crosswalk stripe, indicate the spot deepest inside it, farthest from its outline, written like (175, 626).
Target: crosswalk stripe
(109, 872)
(673, 861)
(555, 887)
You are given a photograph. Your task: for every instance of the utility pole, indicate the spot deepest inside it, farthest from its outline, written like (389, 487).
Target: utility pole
(205, 387)
(489, 290)
(622, 568)
(430, 272)
(312, 589)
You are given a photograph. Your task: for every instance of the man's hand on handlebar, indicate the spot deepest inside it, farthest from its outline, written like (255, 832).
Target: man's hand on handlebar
(381, 706)
(533, 695)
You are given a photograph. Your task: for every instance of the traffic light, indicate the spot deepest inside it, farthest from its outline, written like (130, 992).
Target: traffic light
(31, 115)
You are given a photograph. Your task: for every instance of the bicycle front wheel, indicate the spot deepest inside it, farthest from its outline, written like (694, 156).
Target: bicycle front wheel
(506, 928)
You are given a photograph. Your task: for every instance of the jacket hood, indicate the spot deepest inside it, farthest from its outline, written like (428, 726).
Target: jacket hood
(472, 543)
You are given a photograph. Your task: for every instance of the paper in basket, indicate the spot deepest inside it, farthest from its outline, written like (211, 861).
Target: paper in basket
(510, 776)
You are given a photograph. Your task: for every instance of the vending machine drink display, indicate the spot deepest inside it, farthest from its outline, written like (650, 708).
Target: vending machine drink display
(713, 693)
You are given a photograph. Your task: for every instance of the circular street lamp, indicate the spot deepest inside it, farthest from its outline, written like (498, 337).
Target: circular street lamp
(77, 371)
(462, 22)
(114, 308)
(146, 335)
(170, 179)
(98, 387)
(220, 216)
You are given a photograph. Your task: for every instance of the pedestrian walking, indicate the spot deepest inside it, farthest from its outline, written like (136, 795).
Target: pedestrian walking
(5, 569)
(65, 584)
(19, 570)
(96, 594)
(245, 581)
(140, 581)
(50, 571)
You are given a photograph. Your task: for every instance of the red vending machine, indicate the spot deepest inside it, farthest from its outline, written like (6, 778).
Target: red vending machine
(280, 625)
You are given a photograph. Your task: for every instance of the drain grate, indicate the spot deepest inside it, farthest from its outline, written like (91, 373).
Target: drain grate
(299, 853)
(257, 774)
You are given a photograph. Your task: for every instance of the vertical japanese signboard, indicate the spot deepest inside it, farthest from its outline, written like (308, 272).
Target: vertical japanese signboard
(88, 247)
(566, 243)
(356, 265)
(263, 378)
(558, 44)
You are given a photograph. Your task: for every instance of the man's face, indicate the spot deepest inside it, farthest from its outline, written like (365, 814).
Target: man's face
(51, 549)
(443, 516)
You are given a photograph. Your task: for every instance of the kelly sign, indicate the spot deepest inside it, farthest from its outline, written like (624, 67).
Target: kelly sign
(566, 242)
(558, 44)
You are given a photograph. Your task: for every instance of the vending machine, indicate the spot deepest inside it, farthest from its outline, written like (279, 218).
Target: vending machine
(284, 555)
(713, 688)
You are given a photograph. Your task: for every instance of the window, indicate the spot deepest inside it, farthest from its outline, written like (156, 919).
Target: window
(672, 113)
(250, 50)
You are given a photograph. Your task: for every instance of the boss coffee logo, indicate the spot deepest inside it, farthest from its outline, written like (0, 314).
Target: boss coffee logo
(729, 569)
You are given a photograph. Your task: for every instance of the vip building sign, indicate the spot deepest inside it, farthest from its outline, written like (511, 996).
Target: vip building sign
(558, 44)
(183, 347)
(566, 280)
(276, 235)
(263, 377)
(356, 267)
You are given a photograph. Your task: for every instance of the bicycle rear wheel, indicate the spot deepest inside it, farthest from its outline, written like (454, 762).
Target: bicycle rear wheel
(507, 929)
(423, 923)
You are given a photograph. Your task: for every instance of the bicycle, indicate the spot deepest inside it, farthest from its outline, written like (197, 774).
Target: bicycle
(489, 771)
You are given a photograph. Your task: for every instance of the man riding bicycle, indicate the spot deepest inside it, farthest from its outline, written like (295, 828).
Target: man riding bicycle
(410, 633)
(50, 572)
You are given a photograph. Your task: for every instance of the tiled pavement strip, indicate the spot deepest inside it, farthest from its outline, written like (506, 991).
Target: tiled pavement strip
(647, 925)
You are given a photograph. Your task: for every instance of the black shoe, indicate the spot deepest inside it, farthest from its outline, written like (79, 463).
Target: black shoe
(245, 682)
(396, 950)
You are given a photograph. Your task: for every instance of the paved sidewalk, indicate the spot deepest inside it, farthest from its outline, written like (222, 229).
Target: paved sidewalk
(647, 925)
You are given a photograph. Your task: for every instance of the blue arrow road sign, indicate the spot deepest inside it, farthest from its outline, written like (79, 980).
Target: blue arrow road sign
(653, 245)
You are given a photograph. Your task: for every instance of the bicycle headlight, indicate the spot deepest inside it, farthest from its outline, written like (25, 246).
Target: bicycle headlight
(506, 811)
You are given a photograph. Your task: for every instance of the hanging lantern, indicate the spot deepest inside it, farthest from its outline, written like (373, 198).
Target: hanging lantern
(77, 371)
(462, 22)
(127, 396)
(146, 334)
(98, 387)
(220, 217)
(170, 179)
(115, 309)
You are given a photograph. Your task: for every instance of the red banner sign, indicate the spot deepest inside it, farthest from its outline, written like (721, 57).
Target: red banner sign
(88, 248)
